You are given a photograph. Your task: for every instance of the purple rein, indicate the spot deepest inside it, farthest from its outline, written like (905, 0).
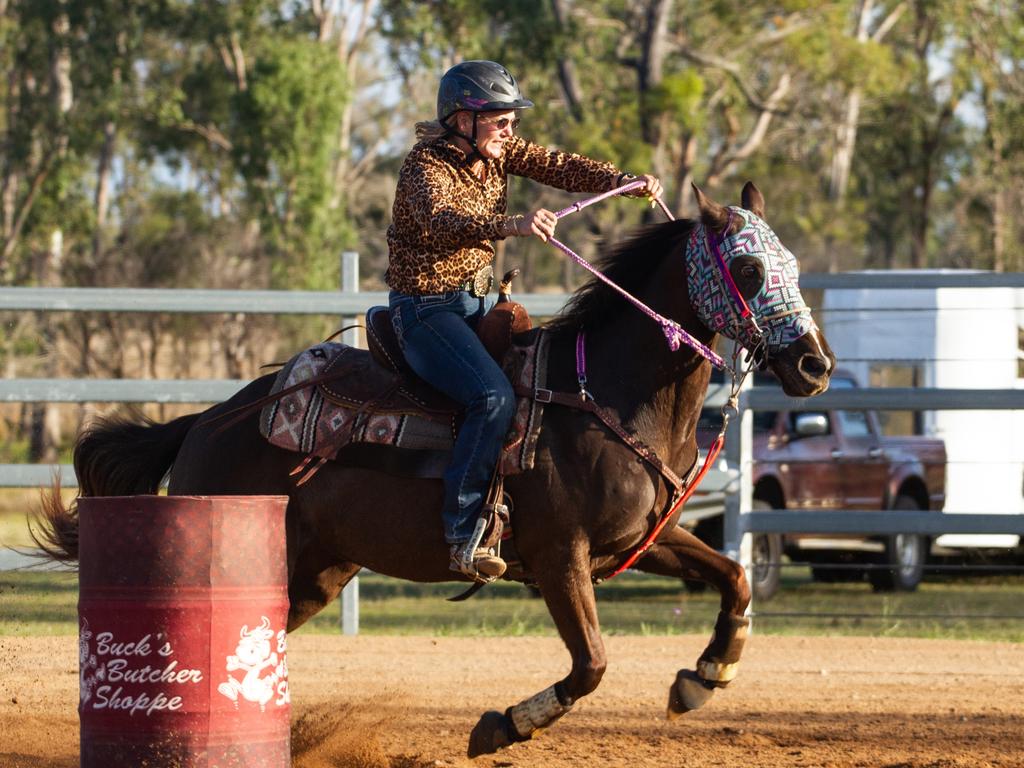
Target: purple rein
(675, 334)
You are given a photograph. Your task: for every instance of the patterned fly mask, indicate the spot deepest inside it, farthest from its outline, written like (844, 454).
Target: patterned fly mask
(777, 315)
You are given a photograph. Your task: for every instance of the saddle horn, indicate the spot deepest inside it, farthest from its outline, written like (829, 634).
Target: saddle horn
(505, 319)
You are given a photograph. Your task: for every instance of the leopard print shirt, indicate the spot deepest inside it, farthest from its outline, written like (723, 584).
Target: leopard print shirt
(444, 217)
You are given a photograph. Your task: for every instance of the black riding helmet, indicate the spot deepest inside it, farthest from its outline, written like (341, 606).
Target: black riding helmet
(477, 86)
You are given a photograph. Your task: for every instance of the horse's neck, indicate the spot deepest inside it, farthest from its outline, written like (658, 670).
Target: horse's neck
(656, 392)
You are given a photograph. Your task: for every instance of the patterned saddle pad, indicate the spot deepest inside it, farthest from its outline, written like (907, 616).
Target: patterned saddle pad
(365, 403)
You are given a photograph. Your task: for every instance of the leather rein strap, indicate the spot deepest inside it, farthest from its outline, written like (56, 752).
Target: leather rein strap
(683, 488)
(641, 448)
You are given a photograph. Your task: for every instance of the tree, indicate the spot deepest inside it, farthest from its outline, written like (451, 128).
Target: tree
(994, 37)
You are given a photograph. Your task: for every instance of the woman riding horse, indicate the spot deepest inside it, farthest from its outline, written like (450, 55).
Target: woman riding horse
(611, 467)
(449, 206)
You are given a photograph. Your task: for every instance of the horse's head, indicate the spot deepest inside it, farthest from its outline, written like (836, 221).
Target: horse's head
(744, 283)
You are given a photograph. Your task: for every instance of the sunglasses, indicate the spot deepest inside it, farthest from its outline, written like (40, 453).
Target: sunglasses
(502, 123)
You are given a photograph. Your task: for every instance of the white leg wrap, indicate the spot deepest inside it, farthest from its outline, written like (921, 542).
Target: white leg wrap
(717, 672)
(537, 712)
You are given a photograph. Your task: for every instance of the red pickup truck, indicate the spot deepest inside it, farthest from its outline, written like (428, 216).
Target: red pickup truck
(836, 460)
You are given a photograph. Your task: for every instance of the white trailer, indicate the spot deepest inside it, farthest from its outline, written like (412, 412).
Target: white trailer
(949, 338)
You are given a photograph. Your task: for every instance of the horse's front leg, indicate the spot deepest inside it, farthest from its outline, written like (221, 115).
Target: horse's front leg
(680, 554)
(569, 595)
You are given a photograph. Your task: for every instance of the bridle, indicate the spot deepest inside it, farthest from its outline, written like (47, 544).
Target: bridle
(744, 322)
(769, 320)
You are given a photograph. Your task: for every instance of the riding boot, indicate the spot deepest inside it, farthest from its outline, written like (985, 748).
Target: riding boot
(478, 557)
(479, 563)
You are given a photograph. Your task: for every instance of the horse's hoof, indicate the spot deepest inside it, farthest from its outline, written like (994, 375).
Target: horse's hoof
(688, 692)
(489, 735)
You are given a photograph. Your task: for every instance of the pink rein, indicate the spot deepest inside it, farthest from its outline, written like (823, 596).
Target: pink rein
(675, 334)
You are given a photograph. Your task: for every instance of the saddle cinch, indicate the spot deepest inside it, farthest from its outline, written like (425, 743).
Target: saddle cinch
(367, 407)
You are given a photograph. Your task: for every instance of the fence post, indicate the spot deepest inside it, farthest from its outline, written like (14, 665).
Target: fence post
(350, 607)
(350, 284)
(739, 496)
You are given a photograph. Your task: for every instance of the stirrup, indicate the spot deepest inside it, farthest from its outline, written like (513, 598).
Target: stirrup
(481, 564)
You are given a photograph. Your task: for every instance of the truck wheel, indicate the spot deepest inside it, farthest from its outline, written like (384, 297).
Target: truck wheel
(907, 551)
(765, 572)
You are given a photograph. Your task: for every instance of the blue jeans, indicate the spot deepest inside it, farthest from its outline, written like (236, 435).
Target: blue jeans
(438, 335)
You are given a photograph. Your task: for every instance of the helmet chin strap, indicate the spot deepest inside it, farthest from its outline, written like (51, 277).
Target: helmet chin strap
(471, 140)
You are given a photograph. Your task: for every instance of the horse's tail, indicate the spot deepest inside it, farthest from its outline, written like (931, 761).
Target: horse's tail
(114, 456)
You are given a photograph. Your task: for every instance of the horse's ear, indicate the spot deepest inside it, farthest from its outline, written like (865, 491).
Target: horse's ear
(752, 199)
(712, 214)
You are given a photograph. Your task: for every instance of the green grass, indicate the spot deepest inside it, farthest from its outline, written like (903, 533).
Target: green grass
(43, 603)
(15, 505)
(38, 603)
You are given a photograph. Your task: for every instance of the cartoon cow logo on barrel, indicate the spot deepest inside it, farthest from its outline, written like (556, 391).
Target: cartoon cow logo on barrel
(89, 669)
(253, 656)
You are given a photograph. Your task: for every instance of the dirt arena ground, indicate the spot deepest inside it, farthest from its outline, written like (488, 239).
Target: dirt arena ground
(408, 702)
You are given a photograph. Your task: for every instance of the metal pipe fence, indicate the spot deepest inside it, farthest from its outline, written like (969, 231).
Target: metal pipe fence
(730, 489)
(742, 521)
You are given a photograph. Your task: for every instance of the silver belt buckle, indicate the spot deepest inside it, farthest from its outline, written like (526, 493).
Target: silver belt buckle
(480, 284)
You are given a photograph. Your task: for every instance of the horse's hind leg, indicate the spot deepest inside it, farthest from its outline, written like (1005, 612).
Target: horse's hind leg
(570, 599)
(680, 554)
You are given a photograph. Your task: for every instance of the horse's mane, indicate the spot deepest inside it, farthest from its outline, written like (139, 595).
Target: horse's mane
(629, 265)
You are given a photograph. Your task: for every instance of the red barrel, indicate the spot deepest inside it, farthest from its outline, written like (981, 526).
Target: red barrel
(183, 606)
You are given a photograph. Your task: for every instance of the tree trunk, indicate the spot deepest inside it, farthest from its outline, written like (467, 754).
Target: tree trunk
(11, 176)
(684, 175)
(842, 157)
(324, 15)
(999, 219)
(45, 432)
(106, 159)
(921, 218)
(998, 181)
(348, 44)
(84, 366)
(846, 129)
(650, 74)
(101, 199)
(235, 345)
(567, 78)
(10, 240)
(44, 436)
(8, 201)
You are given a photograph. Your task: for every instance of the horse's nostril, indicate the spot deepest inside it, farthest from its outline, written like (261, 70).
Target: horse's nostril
(812, 365)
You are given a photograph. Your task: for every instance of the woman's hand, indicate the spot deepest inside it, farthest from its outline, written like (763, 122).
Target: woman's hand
(540, 223)
(652, 187)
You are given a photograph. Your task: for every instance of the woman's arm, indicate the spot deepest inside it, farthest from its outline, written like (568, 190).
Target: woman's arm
(564, 170)
(571, 172)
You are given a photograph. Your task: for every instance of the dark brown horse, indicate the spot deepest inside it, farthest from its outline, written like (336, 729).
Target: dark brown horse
(585, 506)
